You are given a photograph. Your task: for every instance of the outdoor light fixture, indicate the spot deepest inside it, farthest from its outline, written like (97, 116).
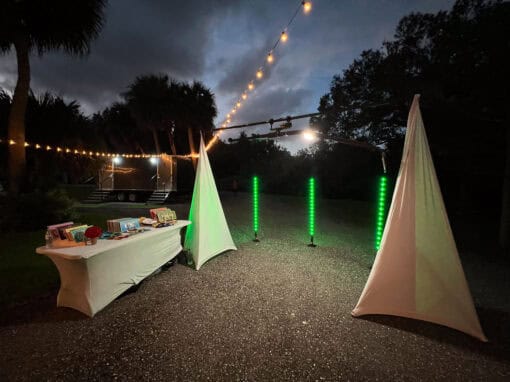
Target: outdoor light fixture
(117, 160)
(309, 135)
(255, 207)
(260, 74)
(270, 58)
(311, 210)
(381, 210)
(251, 86)
(284, 36)
(154, 161)
(307, 6)
(244, 96)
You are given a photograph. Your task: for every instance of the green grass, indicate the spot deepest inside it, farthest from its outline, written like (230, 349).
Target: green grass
(24, 273)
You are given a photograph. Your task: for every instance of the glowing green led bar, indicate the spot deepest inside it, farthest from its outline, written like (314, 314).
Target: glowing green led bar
(381, 211)
(311, 207)
(255, 205)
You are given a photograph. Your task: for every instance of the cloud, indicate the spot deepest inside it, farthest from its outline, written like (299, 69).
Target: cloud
(139, 37)
(221, 43)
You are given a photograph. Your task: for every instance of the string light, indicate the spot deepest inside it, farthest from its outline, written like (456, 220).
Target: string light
(307, 6)
(284, 37)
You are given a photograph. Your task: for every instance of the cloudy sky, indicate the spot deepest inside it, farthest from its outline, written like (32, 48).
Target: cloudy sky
(222, 43)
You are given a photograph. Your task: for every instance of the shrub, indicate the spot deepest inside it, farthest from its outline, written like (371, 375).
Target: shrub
(35, 210)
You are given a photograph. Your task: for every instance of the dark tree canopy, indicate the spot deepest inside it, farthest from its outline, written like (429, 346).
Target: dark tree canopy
(171, 111)
(459, 61)
(51, 24)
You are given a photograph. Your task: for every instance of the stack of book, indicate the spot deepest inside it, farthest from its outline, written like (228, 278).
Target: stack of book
(123, 225)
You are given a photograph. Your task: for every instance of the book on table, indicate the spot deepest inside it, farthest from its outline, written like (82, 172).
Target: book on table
(76, 233)
(123, 224)
(57, 231)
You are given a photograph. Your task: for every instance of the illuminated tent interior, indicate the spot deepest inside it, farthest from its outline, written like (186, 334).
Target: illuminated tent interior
(417, 272)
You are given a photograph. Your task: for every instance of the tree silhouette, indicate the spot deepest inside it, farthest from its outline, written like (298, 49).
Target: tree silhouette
(43, 26)
(181, 111)
(457, 61)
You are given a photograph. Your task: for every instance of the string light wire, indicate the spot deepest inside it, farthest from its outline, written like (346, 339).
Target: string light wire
(259, 73)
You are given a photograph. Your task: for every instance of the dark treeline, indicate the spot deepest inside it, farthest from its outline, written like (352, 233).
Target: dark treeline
(459, 61)
(341, 171)
(156, 114)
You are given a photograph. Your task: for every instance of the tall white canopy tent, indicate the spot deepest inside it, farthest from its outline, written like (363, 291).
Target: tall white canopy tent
(208, 234)
(417, 271)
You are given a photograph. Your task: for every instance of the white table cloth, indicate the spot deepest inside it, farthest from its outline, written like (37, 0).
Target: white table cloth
(93, 276)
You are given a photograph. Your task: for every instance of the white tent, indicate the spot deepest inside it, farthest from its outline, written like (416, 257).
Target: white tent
(417, 271)
(208, 234)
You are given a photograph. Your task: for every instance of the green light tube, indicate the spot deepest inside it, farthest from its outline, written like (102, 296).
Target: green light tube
(311, 207)
(381, 211)
(255, 205)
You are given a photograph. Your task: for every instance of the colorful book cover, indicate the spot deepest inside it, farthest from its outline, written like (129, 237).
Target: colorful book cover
(57, 230)
(71, 232)
(166, 216)
(129, 224)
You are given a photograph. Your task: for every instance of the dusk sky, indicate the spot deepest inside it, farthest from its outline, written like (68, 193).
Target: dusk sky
(222, 43)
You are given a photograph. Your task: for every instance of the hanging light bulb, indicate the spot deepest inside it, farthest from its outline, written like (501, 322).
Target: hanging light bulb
(270, 58)
(233, 111)
(260, 74)
(27, 144)
(284, 36)
(251, 86)
(228, 116)
(244, 96)
(11, 142)
(228, 120)
(238, 104)
(307, 6)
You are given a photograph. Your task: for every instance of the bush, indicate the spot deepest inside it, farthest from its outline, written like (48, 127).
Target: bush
(35, 210)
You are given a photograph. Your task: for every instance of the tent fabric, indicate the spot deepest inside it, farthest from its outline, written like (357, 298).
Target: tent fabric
(417, 272)
(208, 234)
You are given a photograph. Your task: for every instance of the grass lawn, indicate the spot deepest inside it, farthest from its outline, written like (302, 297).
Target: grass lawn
(23, 273)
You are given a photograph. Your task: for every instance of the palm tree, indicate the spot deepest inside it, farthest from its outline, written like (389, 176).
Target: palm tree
(42, 26)
(148, 100)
